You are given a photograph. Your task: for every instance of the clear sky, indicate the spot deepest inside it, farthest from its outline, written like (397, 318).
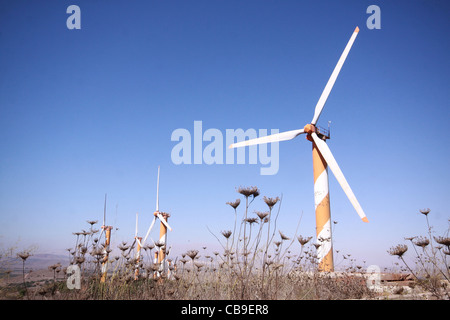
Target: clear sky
(91, 111)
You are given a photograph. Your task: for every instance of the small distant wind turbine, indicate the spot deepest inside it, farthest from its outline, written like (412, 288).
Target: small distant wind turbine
(322, 157)
(107, 230)
(138, 249)
(162, 216)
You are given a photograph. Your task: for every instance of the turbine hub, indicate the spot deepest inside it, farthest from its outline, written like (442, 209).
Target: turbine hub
(321, 132)
(309, 128)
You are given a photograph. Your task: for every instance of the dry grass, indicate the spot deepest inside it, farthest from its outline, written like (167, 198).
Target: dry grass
(257, 262)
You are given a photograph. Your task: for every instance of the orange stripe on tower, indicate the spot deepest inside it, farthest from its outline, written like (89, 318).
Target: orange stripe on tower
(323, 215)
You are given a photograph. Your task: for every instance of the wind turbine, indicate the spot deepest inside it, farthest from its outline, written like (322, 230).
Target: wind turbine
(322, 157)
(138, 249)
(162, 216)
(107, 230)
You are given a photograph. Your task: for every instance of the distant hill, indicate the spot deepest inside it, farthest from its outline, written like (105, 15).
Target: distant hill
(36, 261)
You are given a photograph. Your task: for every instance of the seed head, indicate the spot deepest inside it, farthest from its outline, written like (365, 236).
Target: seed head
(283, 237)
(199, 265)
(235, 204)
(249, 191)
(226, 234)
(443, 240)
(192, 254)
(123, 247)
(159, 244)
(23, 255)
(425, 211)
(251, 220)
(398, 250)
(302, 240)
(271, 201)
(262, 215)
(422, 242)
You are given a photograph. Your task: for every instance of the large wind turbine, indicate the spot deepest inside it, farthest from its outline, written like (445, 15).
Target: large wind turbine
(322, 157)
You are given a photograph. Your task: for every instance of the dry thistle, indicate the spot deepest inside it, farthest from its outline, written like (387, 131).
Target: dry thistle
(234, 204)
(226, 234)
(192, 254)
(199, 265)
(398, 250)
(283, 236)
(249, 191)
(159, 244)
(271, 201)
(251, 220)
(23, 255)
(262, 215)
(123, 247)
(302, 240)
(92, 222)
(425, 211)
(422, 242)
(443, 240)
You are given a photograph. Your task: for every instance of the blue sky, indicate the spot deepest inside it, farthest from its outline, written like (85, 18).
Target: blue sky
(91, 111)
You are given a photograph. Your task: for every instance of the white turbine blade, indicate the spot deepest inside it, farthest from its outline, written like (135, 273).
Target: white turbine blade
(323, 98)
(101, 233)
(328, 156)
(288, 135)
(157, 193)
(164, 221)
(132, 245)
(149, 229)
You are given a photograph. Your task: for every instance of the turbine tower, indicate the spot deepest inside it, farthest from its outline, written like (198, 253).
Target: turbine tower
(138, 250)
(322, 159)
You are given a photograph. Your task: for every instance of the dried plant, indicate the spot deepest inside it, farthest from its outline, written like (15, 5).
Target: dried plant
(431, 262)
(249, 191)
(271, 201)
(234, 204)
